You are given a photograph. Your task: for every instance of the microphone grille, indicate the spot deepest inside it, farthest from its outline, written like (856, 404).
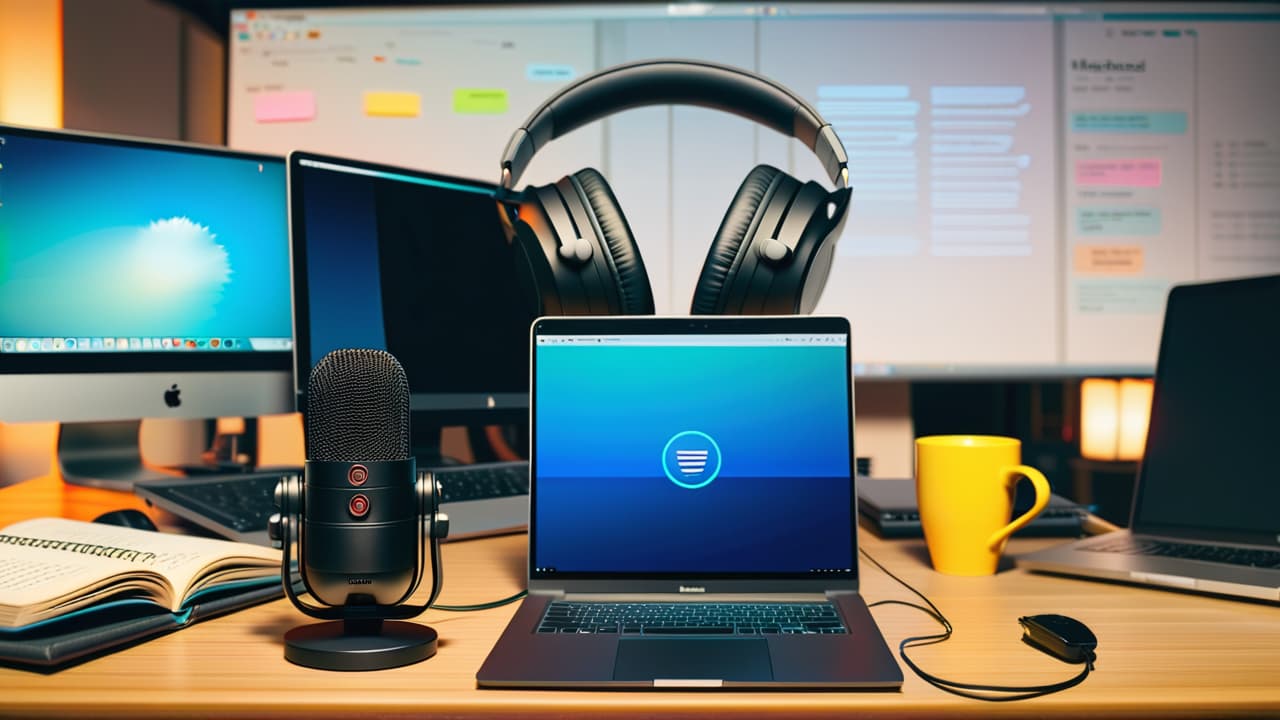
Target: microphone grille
(357, 408)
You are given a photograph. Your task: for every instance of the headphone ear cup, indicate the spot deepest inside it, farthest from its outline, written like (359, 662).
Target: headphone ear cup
(634, 292)
(534, 244)
(723, 257)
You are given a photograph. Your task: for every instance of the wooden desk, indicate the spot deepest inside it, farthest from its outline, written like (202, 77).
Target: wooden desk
(1160, 654)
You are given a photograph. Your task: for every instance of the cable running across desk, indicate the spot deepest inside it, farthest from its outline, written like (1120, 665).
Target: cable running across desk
(481, 606)
(951, 686)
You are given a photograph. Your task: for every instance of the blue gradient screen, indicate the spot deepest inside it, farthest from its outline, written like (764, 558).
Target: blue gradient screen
(100, 239)
(701, 457)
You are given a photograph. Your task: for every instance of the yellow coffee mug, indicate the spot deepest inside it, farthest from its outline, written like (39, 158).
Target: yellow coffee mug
(965, 487)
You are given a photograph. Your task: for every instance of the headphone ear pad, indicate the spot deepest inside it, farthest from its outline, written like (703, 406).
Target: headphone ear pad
(722, 257)
(634, 292)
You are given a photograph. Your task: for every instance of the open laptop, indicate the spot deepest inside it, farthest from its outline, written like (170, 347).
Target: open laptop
(1206, 510)
(692, 510)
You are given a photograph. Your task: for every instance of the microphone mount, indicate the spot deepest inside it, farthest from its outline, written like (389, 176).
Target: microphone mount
(359, 635)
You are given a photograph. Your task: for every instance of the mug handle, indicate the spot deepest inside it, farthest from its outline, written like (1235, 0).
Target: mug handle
(1041, 484)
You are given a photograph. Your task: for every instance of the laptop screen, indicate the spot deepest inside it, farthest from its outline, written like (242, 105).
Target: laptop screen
(416, 264)
(1210, 465)
(668, 448)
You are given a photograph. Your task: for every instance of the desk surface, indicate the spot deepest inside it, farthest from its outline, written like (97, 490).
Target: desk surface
(1160, 654)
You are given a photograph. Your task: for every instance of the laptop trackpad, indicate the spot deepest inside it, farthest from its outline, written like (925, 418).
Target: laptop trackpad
(693, 659)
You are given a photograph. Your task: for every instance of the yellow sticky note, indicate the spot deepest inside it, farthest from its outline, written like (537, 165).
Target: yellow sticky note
(392, 104)
(480, 101)
(1108, 259)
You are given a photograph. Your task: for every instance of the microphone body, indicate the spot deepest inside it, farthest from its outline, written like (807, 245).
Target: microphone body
(360, 531)
(359, 511)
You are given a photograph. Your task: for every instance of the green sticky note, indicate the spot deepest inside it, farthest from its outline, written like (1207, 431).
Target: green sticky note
(480, 101)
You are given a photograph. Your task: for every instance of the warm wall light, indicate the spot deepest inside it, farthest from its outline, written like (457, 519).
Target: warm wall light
(1113, 418)
(31, 62)
(30, 94)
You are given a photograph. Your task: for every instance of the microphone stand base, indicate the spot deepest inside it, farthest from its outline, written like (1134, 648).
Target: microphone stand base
(359, 644)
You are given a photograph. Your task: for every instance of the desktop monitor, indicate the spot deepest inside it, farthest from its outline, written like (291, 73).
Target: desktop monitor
(1028, 179)
(138, 279)
(416, 264)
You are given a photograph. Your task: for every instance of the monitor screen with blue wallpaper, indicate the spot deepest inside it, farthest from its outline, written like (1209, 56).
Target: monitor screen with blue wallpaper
(700, 454)
(110, 246)
(138, 279)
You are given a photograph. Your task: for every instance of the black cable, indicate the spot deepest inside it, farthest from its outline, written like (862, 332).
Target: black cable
(481, 606)
(951, 686)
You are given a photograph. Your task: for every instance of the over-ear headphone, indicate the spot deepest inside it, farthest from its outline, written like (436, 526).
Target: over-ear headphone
(773, 251)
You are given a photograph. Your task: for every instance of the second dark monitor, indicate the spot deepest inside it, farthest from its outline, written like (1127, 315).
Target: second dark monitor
(416, 264)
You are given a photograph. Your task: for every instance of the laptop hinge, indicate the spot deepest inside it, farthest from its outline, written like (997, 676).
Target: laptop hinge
(696, 597)
(687, 683)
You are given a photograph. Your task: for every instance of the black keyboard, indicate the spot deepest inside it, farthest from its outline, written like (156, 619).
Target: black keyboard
(789, 618)
(482, 481)
(242, 503)
(1190, 551)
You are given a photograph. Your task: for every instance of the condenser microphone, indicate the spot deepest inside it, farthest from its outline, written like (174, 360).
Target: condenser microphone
(362, 517)
(359, 517)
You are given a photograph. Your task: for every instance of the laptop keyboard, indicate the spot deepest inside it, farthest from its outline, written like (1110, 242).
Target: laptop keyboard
(790, 618)
(240, 502)
(483, 481)
(1190, 551)
(244, 503)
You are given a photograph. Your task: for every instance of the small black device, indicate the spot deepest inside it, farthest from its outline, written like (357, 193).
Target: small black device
(362, 518)
(773, 251)
(127, 517)
(888, 506)
(1062, 637)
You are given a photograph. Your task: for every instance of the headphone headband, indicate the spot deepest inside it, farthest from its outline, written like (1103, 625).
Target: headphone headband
(674, 82)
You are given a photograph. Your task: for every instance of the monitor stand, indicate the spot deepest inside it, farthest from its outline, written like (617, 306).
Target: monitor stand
(109, 455)
(103, 455)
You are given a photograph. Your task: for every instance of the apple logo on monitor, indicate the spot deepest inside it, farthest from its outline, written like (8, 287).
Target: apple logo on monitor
(171, 396)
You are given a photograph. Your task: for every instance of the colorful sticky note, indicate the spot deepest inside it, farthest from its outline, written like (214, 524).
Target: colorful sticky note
(1108, 259)
(1130, 172)
(479, 101)
(1117, 220)
(542, 72)
(392, 104)
(287, 106)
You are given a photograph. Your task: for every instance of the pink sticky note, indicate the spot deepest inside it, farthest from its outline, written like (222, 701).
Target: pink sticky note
(288, 106)
(1130, 172)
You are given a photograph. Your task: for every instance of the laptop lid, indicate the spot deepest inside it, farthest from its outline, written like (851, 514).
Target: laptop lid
(417, 264)
(692, 455)
(1209, 470)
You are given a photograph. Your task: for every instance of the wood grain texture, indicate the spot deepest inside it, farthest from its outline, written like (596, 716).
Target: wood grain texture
(1160, 654)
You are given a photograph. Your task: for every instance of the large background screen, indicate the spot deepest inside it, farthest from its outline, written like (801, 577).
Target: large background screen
(1029, 180)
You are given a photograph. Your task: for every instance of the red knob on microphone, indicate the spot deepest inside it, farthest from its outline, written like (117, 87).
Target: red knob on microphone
(359, 506)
